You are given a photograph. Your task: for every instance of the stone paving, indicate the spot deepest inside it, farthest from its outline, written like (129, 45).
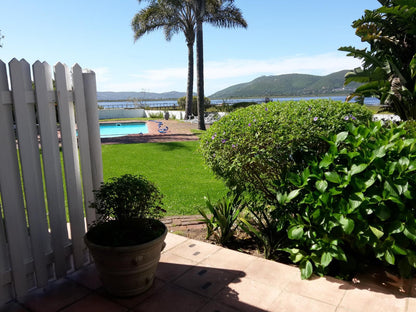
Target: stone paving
(197, 276)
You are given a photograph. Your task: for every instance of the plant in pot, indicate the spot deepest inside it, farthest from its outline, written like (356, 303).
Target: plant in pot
(127, 239)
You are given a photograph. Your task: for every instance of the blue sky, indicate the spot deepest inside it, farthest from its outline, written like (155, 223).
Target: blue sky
(298, 36)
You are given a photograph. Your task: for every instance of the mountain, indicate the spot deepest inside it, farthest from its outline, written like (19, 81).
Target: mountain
(123, 96)
(289, 85)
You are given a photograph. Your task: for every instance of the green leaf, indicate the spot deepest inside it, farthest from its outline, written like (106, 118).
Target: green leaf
(326, 161)
(410, 233)
(326, 259)
(398, 250)
(412, 260)
(389, 187)
(379, 234)
(358, 169)
(389, 257)
(333, 177)
(292, 195)
(341, 137)
(370, 181)
(404, 163)
(295, 232)
(321, 185)
(306, 269)
(353, 204)
(396, 227)
(380, 152)
(382, 212)
(347, 224)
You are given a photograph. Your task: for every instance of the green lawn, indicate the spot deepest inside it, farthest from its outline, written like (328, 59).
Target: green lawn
(176, 168)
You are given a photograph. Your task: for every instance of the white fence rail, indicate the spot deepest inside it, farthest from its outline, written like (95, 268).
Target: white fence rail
(36, 122)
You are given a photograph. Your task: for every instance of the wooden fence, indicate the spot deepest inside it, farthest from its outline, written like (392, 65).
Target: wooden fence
(44, 206)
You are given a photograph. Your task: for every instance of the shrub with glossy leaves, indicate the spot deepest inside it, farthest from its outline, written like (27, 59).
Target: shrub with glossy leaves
(254, 146)
(356, 203)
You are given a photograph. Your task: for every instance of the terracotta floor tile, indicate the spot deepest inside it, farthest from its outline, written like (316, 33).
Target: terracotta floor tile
(329, 290)
(206, 281)
(248, 295)
(194, 250)
(372, 301)
(95, 302)
(131, 302)
(173, 240)
(172, 298)
(172, 266)
(87, 276)
(291, 302)
(57, 296)
(229, 259)
(214, 306)
(274, 274)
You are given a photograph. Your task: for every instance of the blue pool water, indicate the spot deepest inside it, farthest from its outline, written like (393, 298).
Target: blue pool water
(111, 130)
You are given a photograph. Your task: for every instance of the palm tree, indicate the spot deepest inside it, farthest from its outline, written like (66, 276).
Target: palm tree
(182, 15)
(172, 16)
(219, 13)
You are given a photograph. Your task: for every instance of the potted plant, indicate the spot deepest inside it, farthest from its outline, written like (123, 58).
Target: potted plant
(127, 239)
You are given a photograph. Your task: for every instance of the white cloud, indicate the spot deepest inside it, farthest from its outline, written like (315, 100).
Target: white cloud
(320, 64)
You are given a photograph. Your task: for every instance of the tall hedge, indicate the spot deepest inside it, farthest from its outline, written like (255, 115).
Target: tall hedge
(255, 146)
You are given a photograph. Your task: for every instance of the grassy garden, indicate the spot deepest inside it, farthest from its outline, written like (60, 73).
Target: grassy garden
(176, 168)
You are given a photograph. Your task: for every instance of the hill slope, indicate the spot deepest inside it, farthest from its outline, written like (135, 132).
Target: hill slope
(288, 85)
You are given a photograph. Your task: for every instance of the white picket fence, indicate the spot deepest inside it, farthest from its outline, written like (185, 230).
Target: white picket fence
(36, 245)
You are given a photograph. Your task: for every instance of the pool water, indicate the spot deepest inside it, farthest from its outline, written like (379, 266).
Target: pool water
(111, 130)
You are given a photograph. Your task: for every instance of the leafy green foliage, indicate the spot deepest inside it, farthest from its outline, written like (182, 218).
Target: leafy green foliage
(356, 203)
(224, 215)
(388, 70)
(266, 225)
(255, 146)
(194, 110)
(127, 197)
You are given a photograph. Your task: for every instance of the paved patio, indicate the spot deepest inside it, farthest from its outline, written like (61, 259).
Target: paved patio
(197, 276)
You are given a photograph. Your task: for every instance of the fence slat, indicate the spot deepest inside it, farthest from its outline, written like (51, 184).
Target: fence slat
(71, 162)
(83, 140)
(30, 162)
(90, 90)
(51, 164)
(11, 192)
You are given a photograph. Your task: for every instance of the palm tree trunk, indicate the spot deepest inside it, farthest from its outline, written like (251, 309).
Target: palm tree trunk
(190, 83)
(200, 66)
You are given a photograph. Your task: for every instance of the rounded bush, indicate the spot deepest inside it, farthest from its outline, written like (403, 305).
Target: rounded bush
(254, 146)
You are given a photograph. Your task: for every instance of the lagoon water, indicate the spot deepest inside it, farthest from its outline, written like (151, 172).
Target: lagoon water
(170, 103)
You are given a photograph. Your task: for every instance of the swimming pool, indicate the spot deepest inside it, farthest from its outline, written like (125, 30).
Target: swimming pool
(111, 130)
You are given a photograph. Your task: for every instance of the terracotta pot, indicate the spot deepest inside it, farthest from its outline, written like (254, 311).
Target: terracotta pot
(127, 271)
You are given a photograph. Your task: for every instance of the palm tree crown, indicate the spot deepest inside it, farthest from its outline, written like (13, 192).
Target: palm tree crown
(174, 16)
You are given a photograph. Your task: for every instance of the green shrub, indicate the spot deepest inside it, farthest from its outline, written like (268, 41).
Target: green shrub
(356, 203)
(182, 103)
(223, 220)
(252, 147)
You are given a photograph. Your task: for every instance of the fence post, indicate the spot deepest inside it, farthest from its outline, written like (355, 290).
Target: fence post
(83, 141)
(11, 190)
(51, 163)
(31, 168)
(90, 89)
(71, 162)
